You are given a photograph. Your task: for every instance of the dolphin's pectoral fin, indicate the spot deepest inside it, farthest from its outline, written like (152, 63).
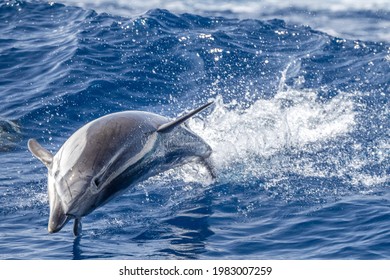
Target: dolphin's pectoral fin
(77, 227)
(166, 127)
(209, 166)
(40, 153)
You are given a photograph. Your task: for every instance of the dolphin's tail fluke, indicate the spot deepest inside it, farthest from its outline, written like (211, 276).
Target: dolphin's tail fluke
(166, 127)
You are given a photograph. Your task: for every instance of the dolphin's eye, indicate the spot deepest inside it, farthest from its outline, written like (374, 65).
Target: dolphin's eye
(56, 173)
(97, 181)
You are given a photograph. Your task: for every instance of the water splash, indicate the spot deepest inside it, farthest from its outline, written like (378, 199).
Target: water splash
(294, 134)
(293, 121)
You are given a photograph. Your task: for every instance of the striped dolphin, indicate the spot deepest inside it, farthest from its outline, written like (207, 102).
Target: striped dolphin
(108, 155)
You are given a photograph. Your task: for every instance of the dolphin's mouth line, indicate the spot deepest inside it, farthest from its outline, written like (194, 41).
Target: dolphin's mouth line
(59, 227)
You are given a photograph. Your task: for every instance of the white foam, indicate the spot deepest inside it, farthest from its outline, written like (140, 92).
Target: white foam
(247, 7)
(320, 15)
(244, 139)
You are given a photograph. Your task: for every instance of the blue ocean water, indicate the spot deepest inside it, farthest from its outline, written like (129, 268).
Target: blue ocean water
(300, 127)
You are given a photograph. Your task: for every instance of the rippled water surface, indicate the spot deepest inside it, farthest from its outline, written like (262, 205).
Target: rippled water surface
(299, 128)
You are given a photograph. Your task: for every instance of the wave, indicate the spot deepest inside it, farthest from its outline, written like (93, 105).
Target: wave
(364, 20)
(300, 127)
(287, 96)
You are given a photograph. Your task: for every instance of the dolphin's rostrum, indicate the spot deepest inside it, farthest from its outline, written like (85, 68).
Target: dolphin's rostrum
(106, 156)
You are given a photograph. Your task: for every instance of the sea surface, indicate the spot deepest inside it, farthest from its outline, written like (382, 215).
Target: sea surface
(299, 128)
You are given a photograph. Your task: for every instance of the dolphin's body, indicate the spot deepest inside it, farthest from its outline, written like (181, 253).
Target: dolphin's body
(106, 156)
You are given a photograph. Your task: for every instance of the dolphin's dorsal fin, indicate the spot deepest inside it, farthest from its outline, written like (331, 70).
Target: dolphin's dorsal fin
(40, 153)
(166, 127)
